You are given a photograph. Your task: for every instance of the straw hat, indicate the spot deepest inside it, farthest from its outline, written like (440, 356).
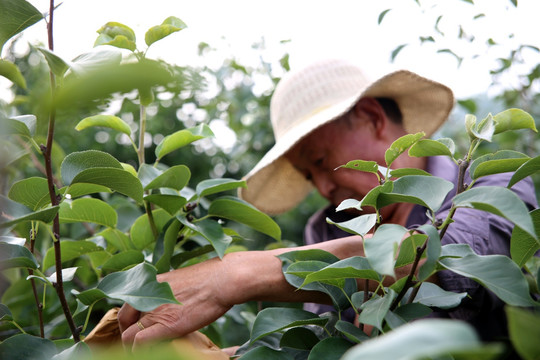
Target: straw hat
(306, 99)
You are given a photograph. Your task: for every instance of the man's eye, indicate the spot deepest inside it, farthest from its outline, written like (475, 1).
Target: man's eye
(319, 161)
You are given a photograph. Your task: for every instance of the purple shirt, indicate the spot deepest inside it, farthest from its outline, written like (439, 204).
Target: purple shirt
(484, 232)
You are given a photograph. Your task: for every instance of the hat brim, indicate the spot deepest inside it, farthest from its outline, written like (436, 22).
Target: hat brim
(275, 186)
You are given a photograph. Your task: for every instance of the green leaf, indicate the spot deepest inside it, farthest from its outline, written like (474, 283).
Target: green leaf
(57, 65)
(303, 269)
(433, 251)
(11, 72)
(30, 192)
(470, 125)
(513, 119)
(137, 286)
(266, 353)
(113, 29)
(118, 180)
(93, 61)
(408, 249)
(141, 232)
(299, 338)
(122, 261)
(359, 225)
(485, 129)
(211, 231)
(524, 331)
(522, 245)
(351, 331)
(499, 201)
(382, 15)
(271, 320)
(498, 273)
(147, 174)
(24, 125)
(164, 248)
(182, 138)
(77, 162)
(17, 15)
(116, 238)
(530, 167)
(103, 80)
(374, 310)
(108, 121)
(82, 189)
(170, 203)
(12, 256)
(381, 248)
(362, 165)
(88, 210)
(420, 339)
(78, 351)
(213, 186)
(331, 348)
(70, 250)
(433, 296)
(13, 213)
(396, 51)
(499, 162)
(27, 347)
(5, 313)
(428, 191)
(119, 41)
(355, 267)
(176, 177)
(401, 145)
(170, 25)
(428, 147)
(234, 209)
(397, 173)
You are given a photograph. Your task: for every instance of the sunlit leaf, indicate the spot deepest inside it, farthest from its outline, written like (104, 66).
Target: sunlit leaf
(522, 245)
(495, 163)
(108, 121)
(498, 201)
(12, 256)
(17, 15)
(67, 275)
(114, 29)
(485, 129)
(234, 209)
(119, 41)
(122, 260)
(88, 210)
(170, 25)
(175, 177)
(359, 225)
(11, 72)
(182, 138)
(401, 145)
(76, 162)
(362, 165)
(397, 173)
(513, 119)
(428, 147)
(213, 186)
(93, 61)
(82, 189)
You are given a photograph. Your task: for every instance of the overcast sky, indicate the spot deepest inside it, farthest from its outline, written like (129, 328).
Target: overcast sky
(346, 28)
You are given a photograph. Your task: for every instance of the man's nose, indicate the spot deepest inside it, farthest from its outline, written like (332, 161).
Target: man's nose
(324, 183)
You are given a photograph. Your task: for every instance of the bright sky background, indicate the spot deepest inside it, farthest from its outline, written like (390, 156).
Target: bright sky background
(346, 28)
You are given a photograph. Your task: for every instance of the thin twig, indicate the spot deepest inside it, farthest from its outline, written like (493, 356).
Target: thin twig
(39, 305)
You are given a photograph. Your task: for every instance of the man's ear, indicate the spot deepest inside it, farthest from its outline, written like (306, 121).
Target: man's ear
(369, 111)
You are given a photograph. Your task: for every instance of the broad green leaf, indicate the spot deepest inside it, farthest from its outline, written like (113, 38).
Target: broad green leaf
(114, 29)
(429, 338)
(499, 162)
(123, 260)
(401, 145)
(70, 250)
(102, 81)
(433, 252)
(175, 177)
(12, 256)
(299, 338)
(17, 15)
(77, 162)
(11, 72)
(498, 273)
(362, 165)
(428, 147)
(408, 249)
(331, 348)
(213, 186)
(524, 331)
(141, 232)
(147, 174)
(397, 173)
(374, 310)
(116, 238)
(30, 192)
(240, 211)
(5, 313)
(119, 41)
(170, 203)
(530, 167)
(433, 296)
(381, 248)
(412, 311)
(27, 347)
(270, 320)
(108, 121)
(164, 248)
(371, 198)
(57, 65)
(522, 245)
(498, 201)
(513, 119)
(170, 25)
(88, 210)
(349, 204)
(67, 275)
(182, 138)
(355, 267)
(24, 125)
(359, 225)
(352, 332)
(13, 213)
(211, 231)
(81, 189)
(303, 269)
(118, 180)
(137, 286)
(266, 353)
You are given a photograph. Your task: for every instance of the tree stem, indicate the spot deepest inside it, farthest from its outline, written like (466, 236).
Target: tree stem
(39, 305)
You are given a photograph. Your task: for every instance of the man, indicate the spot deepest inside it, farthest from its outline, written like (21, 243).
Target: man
(324, 116)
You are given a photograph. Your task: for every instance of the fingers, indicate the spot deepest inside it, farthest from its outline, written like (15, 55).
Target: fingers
(127, 316)
(144, 331)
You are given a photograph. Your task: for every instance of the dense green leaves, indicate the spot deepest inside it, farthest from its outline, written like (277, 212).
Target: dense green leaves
(137, 286)
(77, 162)
(353, 267)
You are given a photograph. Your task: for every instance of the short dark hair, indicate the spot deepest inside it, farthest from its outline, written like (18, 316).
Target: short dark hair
(391, 109)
